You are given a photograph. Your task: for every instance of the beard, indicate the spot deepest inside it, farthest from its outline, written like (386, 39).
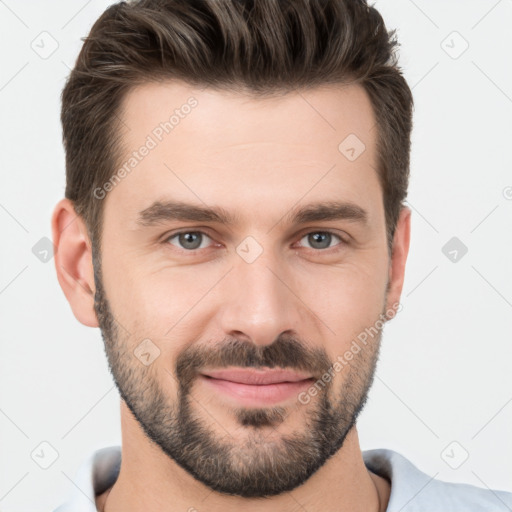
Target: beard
(259, 465)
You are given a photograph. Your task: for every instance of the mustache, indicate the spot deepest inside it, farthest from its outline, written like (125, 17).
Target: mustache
(285, 352)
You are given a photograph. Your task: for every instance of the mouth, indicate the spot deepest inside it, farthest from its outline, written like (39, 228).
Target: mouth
(256, 387)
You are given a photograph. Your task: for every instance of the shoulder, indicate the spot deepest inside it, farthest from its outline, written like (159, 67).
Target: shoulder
(412, 490)
(94, 477)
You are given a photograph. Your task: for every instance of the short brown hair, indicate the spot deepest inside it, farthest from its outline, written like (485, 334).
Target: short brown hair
(260, 46)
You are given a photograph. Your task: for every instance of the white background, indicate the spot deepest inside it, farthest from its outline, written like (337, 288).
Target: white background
(444, 373)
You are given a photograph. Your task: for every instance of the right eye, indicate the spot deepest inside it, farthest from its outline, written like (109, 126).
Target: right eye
(188, 240)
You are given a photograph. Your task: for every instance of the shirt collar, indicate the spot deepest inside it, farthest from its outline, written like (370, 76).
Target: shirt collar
(100, 471)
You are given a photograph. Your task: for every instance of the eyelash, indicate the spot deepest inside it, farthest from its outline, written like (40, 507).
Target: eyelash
(193, 251)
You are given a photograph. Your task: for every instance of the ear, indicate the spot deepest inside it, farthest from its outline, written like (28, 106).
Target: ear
(399, 252)
(73, 261)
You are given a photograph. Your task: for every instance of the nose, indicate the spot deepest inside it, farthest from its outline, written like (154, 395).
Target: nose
(259, 300)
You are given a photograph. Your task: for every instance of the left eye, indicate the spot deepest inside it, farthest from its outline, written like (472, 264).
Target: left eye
(192, 240)
(320, 239)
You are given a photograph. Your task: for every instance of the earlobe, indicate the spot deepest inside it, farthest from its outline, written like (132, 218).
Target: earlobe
(73, 261)
(400, 250)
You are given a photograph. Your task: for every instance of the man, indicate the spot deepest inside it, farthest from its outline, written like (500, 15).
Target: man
(234, 222)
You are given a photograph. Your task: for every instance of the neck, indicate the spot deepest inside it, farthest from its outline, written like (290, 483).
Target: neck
(150, 480)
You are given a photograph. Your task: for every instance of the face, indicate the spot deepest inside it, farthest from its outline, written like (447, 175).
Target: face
(245, 237)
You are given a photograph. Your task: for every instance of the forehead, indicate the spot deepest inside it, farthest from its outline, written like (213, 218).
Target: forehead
(202, 144)
(310, 115)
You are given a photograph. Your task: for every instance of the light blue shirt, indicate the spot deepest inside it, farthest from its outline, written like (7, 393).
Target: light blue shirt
(411, 489)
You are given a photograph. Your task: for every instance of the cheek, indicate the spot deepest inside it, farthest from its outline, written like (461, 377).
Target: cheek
(348, 301)
(351, 290)
(167, 306)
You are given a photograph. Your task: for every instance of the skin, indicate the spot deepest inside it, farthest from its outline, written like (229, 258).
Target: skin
(260, 159)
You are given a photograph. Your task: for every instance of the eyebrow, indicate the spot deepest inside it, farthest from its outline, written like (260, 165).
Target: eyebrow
(176, 210)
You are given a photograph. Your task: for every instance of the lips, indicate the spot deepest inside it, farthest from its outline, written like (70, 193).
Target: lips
(258, 388)
(257, 377)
